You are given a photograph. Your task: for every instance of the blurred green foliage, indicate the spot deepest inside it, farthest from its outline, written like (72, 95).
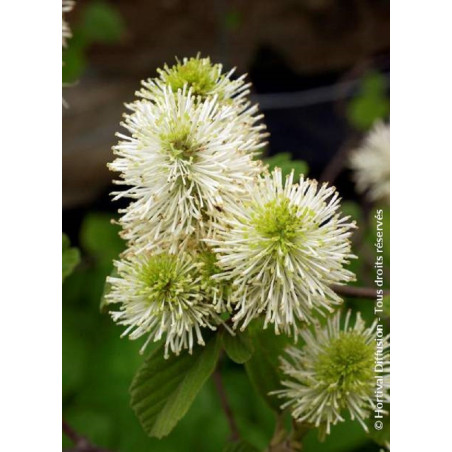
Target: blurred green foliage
(382, 436)
(70, 258)
(240, 446)
(370, 104)
(99, 366)
(284, 161)
(100, 239)
(100, 22)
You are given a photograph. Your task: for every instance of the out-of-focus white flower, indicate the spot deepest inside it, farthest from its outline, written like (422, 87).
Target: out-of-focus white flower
(334, 373)
(371, 164)
(67, 6)
(184, 162)
(162, 295)
(282, 249)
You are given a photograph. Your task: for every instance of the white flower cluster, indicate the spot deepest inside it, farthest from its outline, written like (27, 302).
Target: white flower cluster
(185, 161)
(212, 236)
(282, 248)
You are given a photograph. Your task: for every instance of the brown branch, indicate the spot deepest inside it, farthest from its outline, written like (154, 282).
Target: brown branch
(81, 444)
(357, 292)
(235, 435)
(337, 163)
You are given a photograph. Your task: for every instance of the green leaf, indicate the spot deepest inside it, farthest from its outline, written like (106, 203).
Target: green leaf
(240, 446)
(239, 347)
(284, 161)
(263, 368)
(102, 23)
(163, 390)
(70, 258)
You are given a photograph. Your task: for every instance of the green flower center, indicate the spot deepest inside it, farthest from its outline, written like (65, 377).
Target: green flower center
(280, 221)
(178, 143)
(346, 365)
(162, 279)
(198, 73)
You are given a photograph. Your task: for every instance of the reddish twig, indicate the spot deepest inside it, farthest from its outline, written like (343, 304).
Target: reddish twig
(337, 163)
(235, 435)
(357, 292)
(81, 444)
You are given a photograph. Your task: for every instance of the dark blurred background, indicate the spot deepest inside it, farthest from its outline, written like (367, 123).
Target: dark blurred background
(320, 72)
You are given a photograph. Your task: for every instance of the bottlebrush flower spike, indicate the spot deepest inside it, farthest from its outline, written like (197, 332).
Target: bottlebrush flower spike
(184, 161)
(162, 295)
(333, 373)
(282, 249)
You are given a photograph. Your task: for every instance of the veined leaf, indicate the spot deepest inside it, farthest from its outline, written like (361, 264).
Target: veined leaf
(163, 390)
